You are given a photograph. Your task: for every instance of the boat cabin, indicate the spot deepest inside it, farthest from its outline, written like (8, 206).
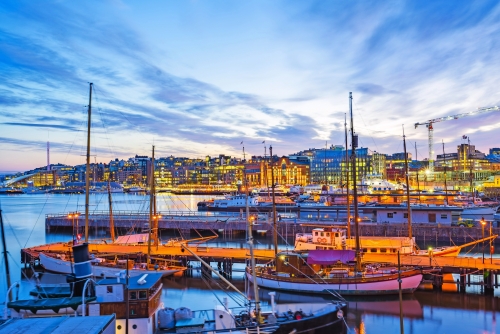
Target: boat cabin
(143, 292)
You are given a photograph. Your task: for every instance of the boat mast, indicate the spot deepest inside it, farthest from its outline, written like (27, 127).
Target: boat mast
(347, 179)
(469, 158)
(445, 185)
(407, 187)
(250, 244)
(275, 224)
(354, 144)
(5, 256)
(151, 227)
(87, 168)
(111, 219)
(418, 182)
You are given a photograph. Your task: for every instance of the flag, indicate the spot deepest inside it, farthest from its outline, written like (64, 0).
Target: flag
(241, 143)
(464, 137)
(264, 142)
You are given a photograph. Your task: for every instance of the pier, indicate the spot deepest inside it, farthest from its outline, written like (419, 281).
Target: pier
(235, 223)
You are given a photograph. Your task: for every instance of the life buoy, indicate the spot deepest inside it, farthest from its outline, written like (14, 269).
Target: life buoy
(297, 315)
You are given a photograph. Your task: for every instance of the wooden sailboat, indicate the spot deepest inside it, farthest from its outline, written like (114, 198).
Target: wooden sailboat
(330, 271)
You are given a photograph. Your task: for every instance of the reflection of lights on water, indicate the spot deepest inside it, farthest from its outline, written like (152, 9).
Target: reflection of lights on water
(362, 329)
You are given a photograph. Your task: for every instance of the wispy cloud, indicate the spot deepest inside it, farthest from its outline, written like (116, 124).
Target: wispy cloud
(198, 80)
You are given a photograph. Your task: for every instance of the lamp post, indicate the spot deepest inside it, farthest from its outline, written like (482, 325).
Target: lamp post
(483, 222)
(73, 216)
(491, 243)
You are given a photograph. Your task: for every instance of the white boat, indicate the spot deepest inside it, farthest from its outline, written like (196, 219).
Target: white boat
(376, 184)
(136, 190)
(102, 268)
(238, 200)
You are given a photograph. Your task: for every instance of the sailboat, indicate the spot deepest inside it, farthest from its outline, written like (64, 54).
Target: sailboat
(330, 271)
(103, 266)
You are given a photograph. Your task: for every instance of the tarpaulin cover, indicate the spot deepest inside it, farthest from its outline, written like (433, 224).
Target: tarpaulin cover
(327, 257)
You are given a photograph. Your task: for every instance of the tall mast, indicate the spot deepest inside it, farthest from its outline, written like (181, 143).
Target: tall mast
(111, 219)
(418, 183)
(354, 145)
(469, 158)
(407, 187)
(250, 245)
(445, 185)
(5, 256)
(347, 179)
(275, 224)
(324, 166)
(87, 168)
(151, 227)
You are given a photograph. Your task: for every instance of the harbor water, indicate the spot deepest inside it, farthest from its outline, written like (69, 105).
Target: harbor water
(424, 312)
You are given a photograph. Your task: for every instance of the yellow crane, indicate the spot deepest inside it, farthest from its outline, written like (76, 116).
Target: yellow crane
(430, 128)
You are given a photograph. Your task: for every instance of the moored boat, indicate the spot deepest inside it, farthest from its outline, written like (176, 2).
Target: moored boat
(327, 271)
(106, 268)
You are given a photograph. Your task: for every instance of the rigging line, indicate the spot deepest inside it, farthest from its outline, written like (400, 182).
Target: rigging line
(106, 132)
(358, 113)
(332, 292)
(36, 222)
(122, 113)
(207, 283)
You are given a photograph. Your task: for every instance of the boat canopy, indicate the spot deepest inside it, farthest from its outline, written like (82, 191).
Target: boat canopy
(331, 256)
(54, 304)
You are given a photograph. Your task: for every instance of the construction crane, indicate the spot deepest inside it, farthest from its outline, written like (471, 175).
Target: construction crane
(430, 128)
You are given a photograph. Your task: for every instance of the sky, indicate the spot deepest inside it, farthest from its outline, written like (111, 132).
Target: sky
(197, 78)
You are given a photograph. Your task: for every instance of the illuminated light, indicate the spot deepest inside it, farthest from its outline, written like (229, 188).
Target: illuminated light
(282, 258)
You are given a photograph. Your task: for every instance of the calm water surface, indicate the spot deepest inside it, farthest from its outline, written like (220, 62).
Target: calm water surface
(424, 312)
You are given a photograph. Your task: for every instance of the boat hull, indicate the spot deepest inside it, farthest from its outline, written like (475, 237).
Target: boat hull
(66, 267)
(346, 286)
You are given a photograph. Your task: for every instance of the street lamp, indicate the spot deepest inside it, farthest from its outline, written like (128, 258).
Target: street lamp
(73, 216)
(483, 222)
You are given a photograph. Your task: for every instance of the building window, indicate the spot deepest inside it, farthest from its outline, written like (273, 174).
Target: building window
(109, 289)
(444, 216)
(133, 295)
(432, 217)
(405, 215)
(143, 294)
(390, 215)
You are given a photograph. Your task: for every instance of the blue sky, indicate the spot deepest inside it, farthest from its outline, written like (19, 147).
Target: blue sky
(195, 78)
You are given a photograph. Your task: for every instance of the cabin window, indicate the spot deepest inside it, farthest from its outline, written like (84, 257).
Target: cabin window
(109, 289)
(321, 234)
(444, 216)
(405, 215)
(383, 250)
(316, 233)
(432, 217)
(373, 250)
(328, 234)
(133, 295)
(143, 294)
(390, 215)
(365, 250)
(336, 234)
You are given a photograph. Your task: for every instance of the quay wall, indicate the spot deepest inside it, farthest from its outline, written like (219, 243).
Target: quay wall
(229, 224)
